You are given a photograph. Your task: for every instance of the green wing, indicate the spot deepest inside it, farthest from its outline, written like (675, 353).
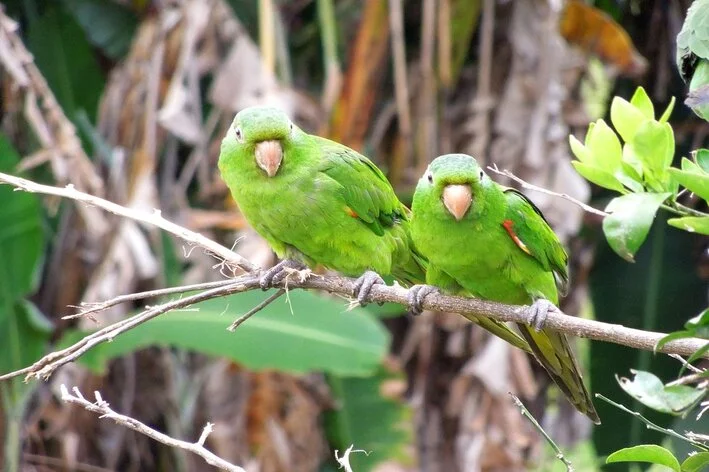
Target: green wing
(536, 237)
(364, 187)
(552, 349)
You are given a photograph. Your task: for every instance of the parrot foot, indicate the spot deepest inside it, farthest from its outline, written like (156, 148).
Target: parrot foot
(363, 285)
(417, 294)
(537, 313)
(278, 272)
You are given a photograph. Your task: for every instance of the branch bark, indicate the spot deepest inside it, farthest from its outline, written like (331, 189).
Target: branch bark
(467, 307)
(102, 408)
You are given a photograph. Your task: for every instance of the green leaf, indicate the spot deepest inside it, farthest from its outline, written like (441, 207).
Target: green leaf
(650, 391)
(642, 102)
(629, 222)
(668, 111)
(696, 182)
(690, 166)
(654, 145)
(645, 453)
(66, 60)
(693, 224)
(626, 118)
(672, 337)
(318, 335)
(21, 236)
(369, 420)
(702, 158)
(696, 462)
(108, 25)
(604, 146)
(580, 151)
(598, 176)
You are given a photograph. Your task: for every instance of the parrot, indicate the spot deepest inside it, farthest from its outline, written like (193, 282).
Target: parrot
(488, 241)
(316, 201)
(693, 57)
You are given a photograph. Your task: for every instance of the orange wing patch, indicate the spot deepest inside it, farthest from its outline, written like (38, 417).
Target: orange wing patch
(507, 224)
(351, 212)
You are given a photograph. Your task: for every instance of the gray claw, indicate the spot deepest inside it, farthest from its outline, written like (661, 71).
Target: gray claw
(278, 272)
(417, 294)
(363, 285)
(537, 313)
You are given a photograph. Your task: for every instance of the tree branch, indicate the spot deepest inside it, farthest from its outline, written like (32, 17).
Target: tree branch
(467, 307)
(102, 408)
(153, 219)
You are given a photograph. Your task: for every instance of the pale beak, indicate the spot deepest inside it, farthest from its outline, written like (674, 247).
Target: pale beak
(269, 155)
(457, 199)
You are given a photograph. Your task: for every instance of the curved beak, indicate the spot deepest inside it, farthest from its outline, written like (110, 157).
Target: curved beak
(269, 155)
(457, 199)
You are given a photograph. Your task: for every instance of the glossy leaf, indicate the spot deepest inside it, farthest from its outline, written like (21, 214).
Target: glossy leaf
(702, 158)
(629, 222)
(598, 176)
(645, 453)
(363, 403)
(696, 462)
(693, 224)
(318, 335)
(626, 118)
(654, 145)
(604, 146)
(580, 150)
(642, 102)
(668, 111)
(651, 392)
(696, 182)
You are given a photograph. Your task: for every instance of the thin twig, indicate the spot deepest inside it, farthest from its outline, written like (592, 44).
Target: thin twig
(650, 425)
(240, 320)
(89, 308)
(102, 408)
(538, 427)
(529, 186)
(470, 308)
(686, 364)
(153, 219)
(344, 460)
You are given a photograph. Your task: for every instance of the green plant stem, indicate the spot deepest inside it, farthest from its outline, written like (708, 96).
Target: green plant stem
(688, 210)
(538, 427)
(650, 425)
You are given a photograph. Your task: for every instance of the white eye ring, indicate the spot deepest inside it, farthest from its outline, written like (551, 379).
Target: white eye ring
(482, 174)
(291, 127)
(239, 134)
(430, 178)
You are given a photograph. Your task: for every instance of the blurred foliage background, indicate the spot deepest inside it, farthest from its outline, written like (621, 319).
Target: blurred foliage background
(129, 99)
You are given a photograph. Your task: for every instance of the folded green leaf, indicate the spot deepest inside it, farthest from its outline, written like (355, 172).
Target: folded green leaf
(696, 182)
(693, 224)
(626, 118)
(642, 102)
(645, 453)
(629, 222)
(318, 335)
(702, 158)
(598, 176)
(654, 145)
(580, 150)
(651, 392)
(668, 111)
(604, 146)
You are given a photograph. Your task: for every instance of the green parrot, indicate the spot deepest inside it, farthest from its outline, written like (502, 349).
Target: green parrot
(488, 241)
(318, 202)
(693, 56)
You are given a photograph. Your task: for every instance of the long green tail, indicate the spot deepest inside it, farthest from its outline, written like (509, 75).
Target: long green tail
(554, 353)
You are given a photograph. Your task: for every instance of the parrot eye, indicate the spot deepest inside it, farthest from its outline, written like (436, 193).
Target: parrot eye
(239, 134)
(482, 174)
(430, 178)
(291, 127)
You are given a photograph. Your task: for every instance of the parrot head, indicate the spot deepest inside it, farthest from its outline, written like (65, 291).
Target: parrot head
(260, 133)
(452, 181)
